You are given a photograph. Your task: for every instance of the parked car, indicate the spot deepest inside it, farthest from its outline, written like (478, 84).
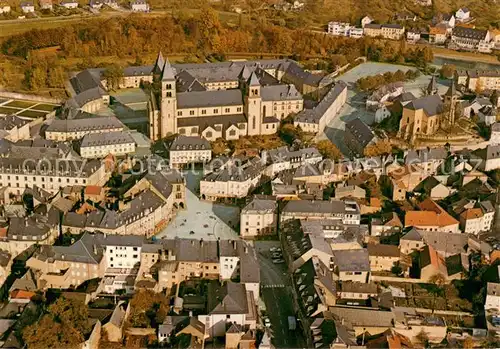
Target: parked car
(267, 322)
(275, 249)
(277, 255)
(278, 261)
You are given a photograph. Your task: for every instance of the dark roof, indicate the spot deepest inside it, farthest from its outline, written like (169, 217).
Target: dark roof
(383, 250)
(360, 131)
(182, 142)
(229, 298)
(432, 105)
(225, 121)
(454, 264)
(469, 33)
(215, 98)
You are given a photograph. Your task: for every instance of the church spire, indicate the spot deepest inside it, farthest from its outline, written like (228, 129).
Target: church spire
(168, 72)
(452, 91)
(432, 87)
(159, 63)
(253, 80)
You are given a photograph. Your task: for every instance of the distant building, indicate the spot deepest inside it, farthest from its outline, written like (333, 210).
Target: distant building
(69, 4)
(46, 5)
(431, 217)
(366, 20)
(492, 297)
(139, 6)
(386, 31)
(4, 8)
(482, 79)
(471, 39)
(27, 6)
(463, 14)
(438, 35)
(74, 129)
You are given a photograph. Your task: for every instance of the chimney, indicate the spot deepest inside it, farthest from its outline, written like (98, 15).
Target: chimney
(95, 249)
(234, 244)
(201, 242)
(246, 250)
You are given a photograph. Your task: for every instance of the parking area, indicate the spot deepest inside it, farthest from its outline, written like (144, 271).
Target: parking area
(276, 297)
(25, 108)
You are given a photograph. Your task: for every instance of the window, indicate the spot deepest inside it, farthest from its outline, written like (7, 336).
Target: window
(191, 112)
(169, 94)
(238, 109)
(179, 113)
(203, 112)
(169, 86)
(227, 110)
(134, 256)
(216, 111)
(208, 134)
(232, 133)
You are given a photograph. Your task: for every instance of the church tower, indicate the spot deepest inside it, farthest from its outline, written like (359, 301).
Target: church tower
(253, 103)
(168, 102)
(432, 87)
(451, 99)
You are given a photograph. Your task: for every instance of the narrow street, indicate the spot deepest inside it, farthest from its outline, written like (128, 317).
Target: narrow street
(277, 298)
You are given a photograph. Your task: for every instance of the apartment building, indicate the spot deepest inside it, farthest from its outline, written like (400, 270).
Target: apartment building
(257, 218)
(139, 6)
(492, 302)
(66, 266)
(470, 39)
(234, 178)
(100, 145)
(49, 174)
(346, 211)
(23, 232)
(386, 31)
(189, 150)
(282, 158)
(382, 257)
(478, 219)
(351, 265)
(431, 217)
(74, 129)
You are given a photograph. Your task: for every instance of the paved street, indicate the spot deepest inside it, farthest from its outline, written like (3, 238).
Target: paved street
(355, 105)
(202, 219)
(277, 298)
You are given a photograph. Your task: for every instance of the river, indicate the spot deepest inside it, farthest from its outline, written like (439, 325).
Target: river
(460, 64)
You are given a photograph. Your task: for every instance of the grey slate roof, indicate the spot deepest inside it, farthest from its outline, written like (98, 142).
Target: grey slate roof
(253, 80)
(315, 114)
(319, 206)
(360, 131)
(432, 105)
(229, 298)
(225, 121)
(87, 124)
(352, 260)
(11, 121)
(72, 168)
(280, 93)
(182, 142)
(169, 72)
(469, 33)
(207, 99)
(106, 138)
(259, 205)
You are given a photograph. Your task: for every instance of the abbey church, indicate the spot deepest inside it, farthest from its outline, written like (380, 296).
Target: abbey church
(229, 99)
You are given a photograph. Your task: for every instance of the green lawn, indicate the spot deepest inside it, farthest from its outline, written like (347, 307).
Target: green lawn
(20, 104)
(32, 114)
(8, 111)
(44, 107)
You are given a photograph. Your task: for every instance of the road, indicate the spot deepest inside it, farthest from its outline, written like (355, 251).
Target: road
(277, 298)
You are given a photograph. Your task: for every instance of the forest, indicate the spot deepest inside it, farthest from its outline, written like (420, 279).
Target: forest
(42, 57)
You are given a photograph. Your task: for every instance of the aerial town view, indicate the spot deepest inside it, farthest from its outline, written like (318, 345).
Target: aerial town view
(249, 174)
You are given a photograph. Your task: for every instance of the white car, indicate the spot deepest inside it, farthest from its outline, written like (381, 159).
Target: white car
(275, 249)
(278, 261)
(267, 322)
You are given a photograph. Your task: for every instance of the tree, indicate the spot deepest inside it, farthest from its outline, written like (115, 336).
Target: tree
(447, 71)
(149, 309)
(114, 76)
(328, 150)
(381, 147)
(437, 280)
(468, 343)
(35, 78)
(289, 133)
(479, 87)
(64, 326)
(396, 269)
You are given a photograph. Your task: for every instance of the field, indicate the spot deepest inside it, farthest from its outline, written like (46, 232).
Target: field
(30, 109)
